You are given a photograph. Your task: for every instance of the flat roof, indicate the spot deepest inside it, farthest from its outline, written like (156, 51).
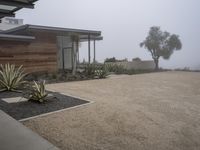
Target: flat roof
(29, 27)
(9, 7)
(83, 35)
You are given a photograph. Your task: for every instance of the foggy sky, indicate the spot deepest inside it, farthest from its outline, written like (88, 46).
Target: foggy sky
(124, 24)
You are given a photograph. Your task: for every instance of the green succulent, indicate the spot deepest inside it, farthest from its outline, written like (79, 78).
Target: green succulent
(90, 70)
(38, 92)
(101, 72)
(11, 77)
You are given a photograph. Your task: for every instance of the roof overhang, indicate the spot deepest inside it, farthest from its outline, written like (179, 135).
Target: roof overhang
(9, 7)
(83, 35)
(57, 30)
(11, 37)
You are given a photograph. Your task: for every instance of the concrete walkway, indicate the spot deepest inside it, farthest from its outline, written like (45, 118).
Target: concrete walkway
(15, 136)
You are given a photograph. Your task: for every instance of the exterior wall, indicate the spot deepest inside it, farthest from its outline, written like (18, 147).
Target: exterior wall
(143, 65)
(35, 56)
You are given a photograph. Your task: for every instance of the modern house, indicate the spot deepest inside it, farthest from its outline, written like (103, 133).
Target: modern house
(41, 48)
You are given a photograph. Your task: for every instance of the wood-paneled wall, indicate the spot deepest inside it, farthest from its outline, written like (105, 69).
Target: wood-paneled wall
(35, 56)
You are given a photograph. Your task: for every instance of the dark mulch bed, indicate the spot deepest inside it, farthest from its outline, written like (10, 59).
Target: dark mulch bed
(26, 109)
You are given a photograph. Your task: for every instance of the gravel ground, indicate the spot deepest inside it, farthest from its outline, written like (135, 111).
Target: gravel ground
(157, 111)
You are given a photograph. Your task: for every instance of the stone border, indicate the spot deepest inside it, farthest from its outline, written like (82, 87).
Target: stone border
(61, 110)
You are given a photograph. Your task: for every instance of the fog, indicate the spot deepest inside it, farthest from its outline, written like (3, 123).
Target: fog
(124, 24)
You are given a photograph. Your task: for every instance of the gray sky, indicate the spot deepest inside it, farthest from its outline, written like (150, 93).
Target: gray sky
(124, 24)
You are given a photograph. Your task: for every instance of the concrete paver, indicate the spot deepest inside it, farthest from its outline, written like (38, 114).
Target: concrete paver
(15, 136)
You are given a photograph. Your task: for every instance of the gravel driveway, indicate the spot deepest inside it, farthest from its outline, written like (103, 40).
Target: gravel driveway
(156, 111)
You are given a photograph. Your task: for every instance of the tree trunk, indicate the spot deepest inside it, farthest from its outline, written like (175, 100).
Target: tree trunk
(156, 61)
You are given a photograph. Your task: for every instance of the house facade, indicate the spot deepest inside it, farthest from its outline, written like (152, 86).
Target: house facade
(40, 48)
(43, 48)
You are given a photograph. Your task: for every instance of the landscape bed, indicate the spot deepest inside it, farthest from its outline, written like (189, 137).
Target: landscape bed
(20, 109)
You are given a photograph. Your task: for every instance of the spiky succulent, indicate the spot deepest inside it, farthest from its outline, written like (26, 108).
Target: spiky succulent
(101, 72)
(11, 77)
(38, 92)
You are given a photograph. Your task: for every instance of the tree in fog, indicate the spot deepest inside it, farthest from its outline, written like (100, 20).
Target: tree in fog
(161, 44)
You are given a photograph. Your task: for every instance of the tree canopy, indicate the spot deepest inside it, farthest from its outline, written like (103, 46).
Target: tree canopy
(161, 44)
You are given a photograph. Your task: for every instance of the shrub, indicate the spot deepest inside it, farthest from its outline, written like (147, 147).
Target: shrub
(101, 72)
(11, 77)
(136, 59)
(96, 71)
(38, 92)
(116, 68)
(113, 59)
(90, 70)
(119, 69)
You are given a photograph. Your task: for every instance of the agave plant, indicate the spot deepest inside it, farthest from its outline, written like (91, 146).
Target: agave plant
(90, 70)
(101, 72)
(11, 77)
(38, 92)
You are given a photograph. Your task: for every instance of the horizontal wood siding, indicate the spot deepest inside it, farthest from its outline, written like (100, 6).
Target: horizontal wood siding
(36, 56)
